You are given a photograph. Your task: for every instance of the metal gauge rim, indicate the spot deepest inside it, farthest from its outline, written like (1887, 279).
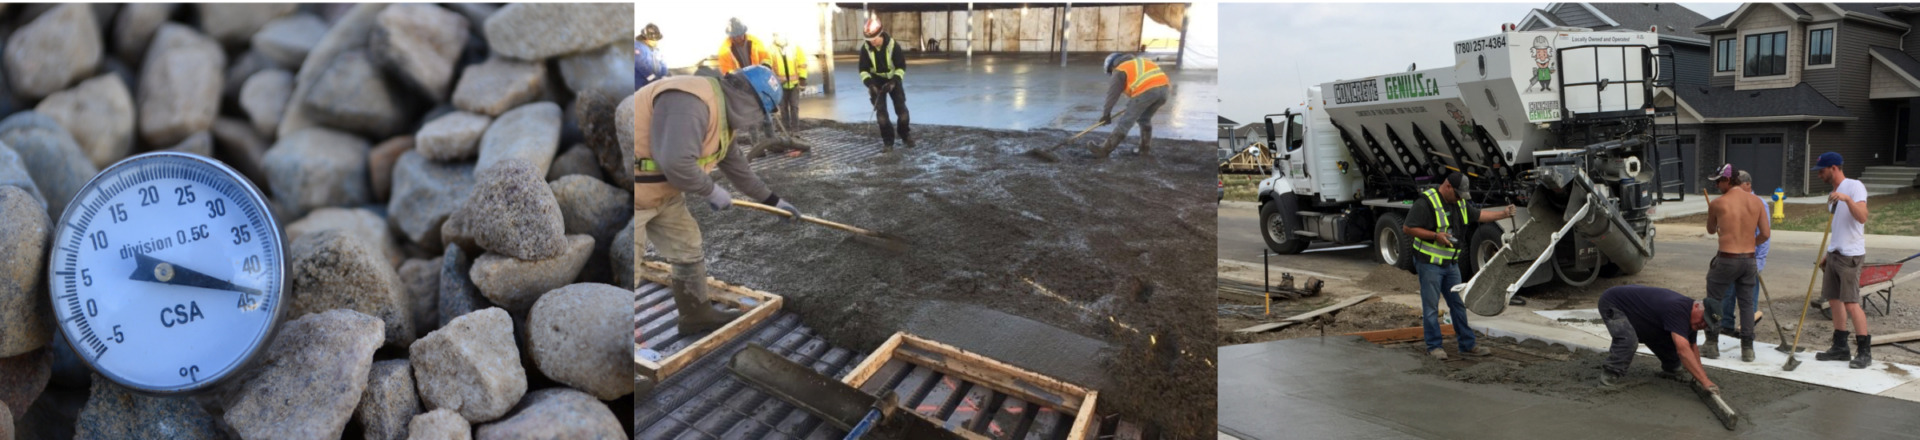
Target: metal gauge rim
(256, 348)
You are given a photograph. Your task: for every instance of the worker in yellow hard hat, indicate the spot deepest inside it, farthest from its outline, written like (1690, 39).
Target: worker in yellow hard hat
(789, 63)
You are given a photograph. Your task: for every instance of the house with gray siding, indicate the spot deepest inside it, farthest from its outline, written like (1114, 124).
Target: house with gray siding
(1788, 81)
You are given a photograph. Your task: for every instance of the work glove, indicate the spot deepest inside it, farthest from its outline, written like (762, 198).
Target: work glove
(719, 199)
(782, 204)
(1106, 119)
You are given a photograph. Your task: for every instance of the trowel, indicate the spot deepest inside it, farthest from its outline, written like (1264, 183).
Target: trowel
(845, 407)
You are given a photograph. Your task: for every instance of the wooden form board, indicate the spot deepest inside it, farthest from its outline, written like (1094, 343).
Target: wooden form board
(1304, 317)
(972, 367)
(758, 305)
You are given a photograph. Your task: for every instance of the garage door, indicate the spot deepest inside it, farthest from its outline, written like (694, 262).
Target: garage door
(1762, 155)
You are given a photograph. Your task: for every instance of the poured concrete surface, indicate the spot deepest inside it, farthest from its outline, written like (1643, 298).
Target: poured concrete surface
(1346, 388)
(1018, 92)
(1030, 344)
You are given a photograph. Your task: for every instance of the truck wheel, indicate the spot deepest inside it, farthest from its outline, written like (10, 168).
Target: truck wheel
(1481, 246)
(1391, 246)
(1278, 220)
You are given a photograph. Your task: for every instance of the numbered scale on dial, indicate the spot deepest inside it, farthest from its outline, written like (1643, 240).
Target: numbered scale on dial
(166, 273)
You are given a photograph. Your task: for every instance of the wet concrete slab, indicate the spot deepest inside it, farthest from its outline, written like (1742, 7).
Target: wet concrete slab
(1346, 388)
(1015, 340)
(1019, 92)
(1879, 378)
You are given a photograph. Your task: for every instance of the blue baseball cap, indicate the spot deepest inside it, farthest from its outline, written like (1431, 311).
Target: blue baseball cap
(1827, 159)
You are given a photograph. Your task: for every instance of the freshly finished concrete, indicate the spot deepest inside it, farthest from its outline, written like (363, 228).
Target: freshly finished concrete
(1346, 388)
(1880, 377)
(1018, 92)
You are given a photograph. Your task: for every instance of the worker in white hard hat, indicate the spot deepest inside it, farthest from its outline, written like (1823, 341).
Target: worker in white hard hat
(1146, 89)
(882, 67)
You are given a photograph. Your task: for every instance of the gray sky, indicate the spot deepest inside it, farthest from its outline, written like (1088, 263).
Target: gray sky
(1270, 53)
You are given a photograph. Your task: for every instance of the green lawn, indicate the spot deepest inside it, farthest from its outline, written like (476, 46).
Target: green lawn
(1242, 187)
(1897, 214)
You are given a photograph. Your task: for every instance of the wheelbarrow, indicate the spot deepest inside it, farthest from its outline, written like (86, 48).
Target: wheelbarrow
(1877, 282)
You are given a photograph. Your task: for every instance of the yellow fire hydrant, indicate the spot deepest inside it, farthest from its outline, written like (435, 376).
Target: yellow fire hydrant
(1779, 209)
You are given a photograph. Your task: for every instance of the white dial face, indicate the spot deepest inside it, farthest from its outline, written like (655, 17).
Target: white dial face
(166, 273)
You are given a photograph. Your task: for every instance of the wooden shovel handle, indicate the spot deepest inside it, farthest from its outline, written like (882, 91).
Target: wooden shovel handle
(783, 213)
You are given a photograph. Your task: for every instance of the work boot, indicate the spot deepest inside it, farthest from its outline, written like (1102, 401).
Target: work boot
(1102, 151)
(886, 147)
(1711, 349)
(1670, 375)
(1437, 354)
(1839, 350)
(1609, 379)
(1865, 358)
(1146, 141)
(690, 299)
(1477, 351)
(1746, 349)
(908, 140)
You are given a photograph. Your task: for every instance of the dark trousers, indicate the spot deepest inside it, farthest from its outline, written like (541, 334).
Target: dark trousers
(790, 107)
(1627, 340)
(899, 95)
(1726, 275)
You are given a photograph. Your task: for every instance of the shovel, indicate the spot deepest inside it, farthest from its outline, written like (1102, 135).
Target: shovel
(1793, 362)
(873, 238)
(1047, 153)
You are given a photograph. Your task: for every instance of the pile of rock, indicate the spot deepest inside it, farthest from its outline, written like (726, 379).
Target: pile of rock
(452, 234)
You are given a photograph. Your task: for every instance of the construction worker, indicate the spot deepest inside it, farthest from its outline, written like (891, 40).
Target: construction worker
(683, 130)
(740, 50)
(1727, 325)
(648, 65)
(1846, 250)
(1738, 214)
(1436, 222)
(882, 66)
(1662, 319)
(789, 64)
(1146, 89)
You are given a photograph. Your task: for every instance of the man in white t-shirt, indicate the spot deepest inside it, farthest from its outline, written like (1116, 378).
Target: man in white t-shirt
(1845, 252)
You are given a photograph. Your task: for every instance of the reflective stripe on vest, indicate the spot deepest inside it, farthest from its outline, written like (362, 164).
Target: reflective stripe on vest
(890, 70)
(647, 164)
(1143, 75)
(1440, 254)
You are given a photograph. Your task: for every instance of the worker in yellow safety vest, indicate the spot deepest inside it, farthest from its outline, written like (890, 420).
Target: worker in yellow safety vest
(789, 64)
(740, 50)
(1436, 222)
(1146, 89)
(882, 66)
(683, 130)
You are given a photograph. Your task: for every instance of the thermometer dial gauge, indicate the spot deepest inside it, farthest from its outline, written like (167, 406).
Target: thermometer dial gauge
(166, 273)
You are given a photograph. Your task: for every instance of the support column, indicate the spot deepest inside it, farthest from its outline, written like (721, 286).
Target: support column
(1180, 58)
(969, 33)
(826, 47)
(1913, 132)
(1066, 31)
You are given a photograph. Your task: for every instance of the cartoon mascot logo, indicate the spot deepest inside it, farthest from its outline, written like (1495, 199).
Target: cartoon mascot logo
(1542, 80)
(1460, 119)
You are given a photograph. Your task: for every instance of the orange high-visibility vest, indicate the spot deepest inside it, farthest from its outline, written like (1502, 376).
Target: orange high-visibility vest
(756, 54)
(1142, 75)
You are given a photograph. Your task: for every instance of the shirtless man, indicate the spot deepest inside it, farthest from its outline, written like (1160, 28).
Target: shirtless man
(1734, 267)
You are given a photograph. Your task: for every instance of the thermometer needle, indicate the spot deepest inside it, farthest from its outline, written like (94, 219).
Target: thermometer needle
(153, 270)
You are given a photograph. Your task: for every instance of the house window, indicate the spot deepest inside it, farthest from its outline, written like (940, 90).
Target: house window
(1724, 60)
(1766, 54)
(1820, 47)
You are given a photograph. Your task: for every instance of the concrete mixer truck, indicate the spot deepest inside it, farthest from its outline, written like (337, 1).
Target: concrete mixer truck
(1560, 122)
